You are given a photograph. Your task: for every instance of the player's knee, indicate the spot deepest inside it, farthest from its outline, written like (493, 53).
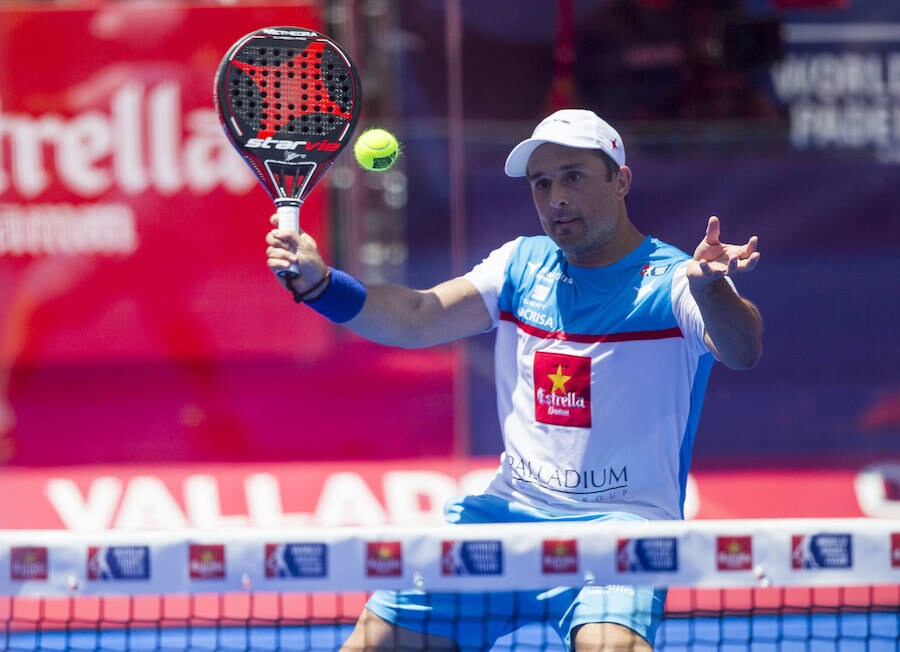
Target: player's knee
(374, 634)
(608, 637)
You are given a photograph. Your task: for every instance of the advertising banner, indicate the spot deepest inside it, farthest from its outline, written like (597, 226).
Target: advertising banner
(304, 495)
(129, 228)
(138, 319)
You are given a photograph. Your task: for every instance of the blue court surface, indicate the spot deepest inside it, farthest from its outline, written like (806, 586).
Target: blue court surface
(879, 632)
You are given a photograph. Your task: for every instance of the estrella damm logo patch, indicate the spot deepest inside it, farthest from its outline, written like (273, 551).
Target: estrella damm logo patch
(734, 553)
(559, 556)
(809, 551)
(562, 389)
(207, 561)
(296, 560)
(118, 563)
(471, 558)
(895, 550)
(28, 563)
(384, 559)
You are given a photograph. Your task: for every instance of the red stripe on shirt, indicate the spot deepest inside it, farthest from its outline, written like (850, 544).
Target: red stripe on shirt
(584, 338)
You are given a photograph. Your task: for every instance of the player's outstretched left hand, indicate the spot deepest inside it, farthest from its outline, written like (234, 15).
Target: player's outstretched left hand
(714, 259)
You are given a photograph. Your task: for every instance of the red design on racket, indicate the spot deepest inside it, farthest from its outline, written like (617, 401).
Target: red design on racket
(289, 99)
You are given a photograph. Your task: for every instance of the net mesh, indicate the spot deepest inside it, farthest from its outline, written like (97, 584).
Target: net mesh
(788, 585)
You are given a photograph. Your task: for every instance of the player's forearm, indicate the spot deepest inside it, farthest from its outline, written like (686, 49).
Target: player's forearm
(399, 316)
(733, 325)
(396, 316)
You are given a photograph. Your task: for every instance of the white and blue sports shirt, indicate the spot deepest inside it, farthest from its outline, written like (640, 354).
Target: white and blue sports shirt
(600, 375)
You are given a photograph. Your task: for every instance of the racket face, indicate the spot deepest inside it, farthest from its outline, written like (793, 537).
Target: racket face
(289, 99)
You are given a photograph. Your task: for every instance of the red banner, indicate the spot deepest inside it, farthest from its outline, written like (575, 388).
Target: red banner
(129, 228)
(394, 493)
(138, 320)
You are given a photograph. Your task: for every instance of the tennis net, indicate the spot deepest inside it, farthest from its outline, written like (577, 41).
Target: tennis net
(782, 584)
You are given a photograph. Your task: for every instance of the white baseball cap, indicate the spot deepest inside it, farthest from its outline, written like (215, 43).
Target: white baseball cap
(570, 127)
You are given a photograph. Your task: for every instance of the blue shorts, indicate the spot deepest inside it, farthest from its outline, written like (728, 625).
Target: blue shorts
(477, 620)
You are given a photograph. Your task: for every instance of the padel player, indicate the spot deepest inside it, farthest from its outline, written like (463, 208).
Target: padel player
(605, 340)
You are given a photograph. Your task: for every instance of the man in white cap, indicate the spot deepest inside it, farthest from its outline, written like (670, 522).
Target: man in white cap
(605, 340)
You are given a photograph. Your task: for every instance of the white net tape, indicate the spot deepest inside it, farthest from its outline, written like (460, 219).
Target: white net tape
(715, 553)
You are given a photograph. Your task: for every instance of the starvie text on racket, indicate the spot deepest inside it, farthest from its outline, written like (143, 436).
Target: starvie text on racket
(275, 143)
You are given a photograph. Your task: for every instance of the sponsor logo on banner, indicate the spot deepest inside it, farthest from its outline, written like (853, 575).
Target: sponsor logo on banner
(821, 551)
(734, 553)
(562, 389)
(207, 561)
(111, 157)
(895, 550)
(118, 563)
(384, 559)
(559, 556)
(471, 558)
(658, 554)
(28, 563)
(296, 560)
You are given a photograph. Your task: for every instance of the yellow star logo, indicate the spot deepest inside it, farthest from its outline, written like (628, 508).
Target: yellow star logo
(559, 380)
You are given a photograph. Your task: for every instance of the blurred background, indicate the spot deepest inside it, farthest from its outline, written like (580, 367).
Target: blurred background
(153, 374)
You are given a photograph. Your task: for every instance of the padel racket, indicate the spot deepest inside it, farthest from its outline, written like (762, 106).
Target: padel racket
(289, 99)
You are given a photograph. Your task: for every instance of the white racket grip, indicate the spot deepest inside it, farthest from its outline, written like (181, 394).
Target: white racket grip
(289, 220)
(288, 217)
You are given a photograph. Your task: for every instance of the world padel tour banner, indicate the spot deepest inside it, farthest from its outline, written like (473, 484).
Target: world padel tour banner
(91, 499)
(138, 318)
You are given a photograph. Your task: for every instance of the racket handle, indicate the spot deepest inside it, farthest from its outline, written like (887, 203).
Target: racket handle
(289, 220)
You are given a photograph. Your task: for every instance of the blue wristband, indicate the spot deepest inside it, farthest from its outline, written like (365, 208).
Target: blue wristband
(342, 299)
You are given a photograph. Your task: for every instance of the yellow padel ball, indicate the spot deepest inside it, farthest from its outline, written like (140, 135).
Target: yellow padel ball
(376, 149)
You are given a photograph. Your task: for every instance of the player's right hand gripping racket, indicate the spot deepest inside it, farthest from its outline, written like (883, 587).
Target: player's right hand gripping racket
(289, 99)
